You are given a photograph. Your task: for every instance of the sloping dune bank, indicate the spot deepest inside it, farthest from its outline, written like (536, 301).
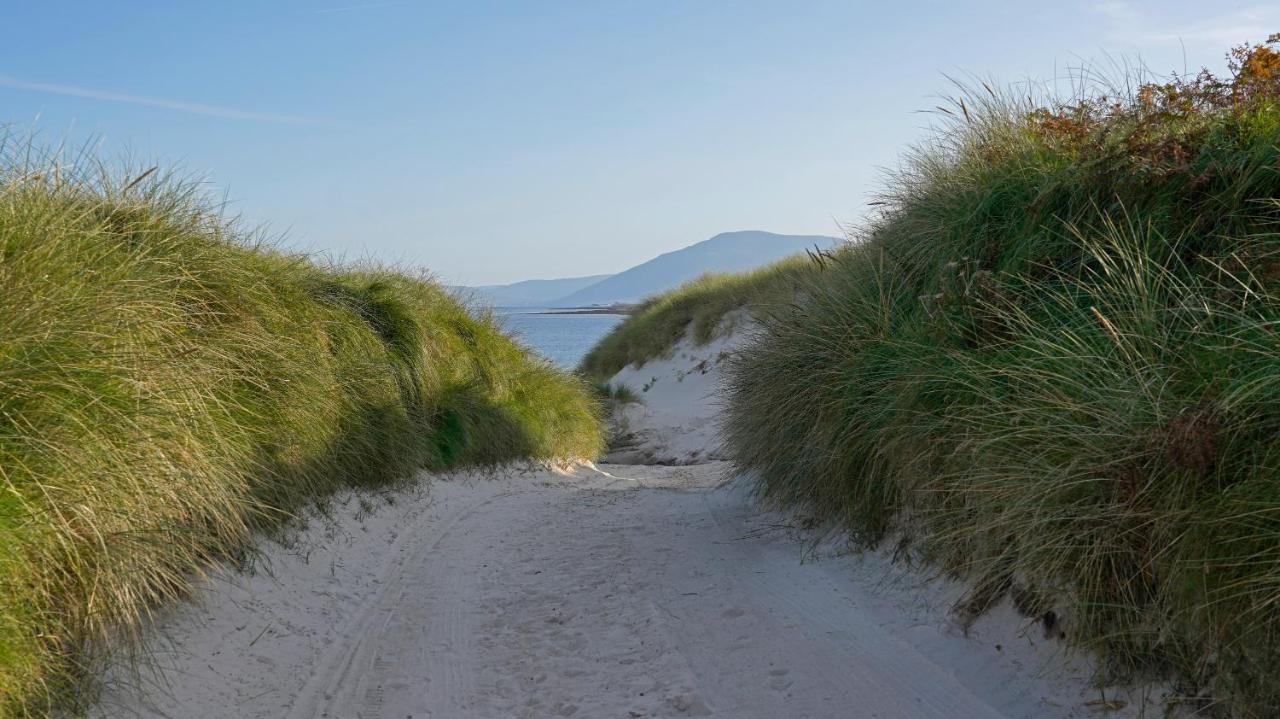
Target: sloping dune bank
(1050, 368)
(674, 415)
(169, 386)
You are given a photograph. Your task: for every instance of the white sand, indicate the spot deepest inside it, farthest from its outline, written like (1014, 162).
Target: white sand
(676, 419)
(627, 591)
(618, 591)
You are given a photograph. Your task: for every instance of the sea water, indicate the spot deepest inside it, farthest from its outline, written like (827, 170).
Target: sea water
(561, 338)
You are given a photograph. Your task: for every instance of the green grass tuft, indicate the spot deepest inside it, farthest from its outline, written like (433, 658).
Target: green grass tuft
(168, 385)
(1054, 363)
(615, 395)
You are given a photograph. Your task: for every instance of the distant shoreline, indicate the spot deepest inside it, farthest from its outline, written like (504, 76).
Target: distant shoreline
(619, 309)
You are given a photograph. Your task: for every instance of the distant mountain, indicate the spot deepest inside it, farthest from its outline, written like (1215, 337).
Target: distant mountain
(727, 252)
(531, 293)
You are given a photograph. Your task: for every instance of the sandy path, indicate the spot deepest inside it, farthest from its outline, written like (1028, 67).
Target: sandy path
(634, 591)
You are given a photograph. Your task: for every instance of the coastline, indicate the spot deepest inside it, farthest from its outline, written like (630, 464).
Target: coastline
(618, 309)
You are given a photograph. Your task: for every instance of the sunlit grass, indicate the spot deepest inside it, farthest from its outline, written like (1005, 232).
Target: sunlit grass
(169, 384)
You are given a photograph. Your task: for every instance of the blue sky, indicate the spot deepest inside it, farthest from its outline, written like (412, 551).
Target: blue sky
(492, 142)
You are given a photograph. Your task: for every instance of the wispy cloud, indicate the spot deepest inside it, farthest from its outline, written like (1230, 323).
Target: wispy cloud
(1129, 22)
(361, 6)
(192, 108)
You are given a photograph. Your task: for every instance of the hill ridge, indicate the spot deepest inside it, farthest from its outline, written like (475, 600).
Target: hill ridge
(733, 251)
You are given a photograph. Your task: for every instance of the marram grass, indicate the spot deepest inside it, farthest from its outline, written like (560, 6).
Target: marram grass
(168, 385)
(698, 308)
(1053, 366)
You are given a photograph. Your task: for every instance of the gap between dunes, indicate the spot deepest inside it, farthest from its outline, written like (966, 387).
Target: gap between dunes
(623, 590)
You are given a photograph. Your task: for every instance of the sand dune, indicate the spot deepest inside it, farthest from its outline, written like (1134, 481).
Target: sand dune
(622, 590)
